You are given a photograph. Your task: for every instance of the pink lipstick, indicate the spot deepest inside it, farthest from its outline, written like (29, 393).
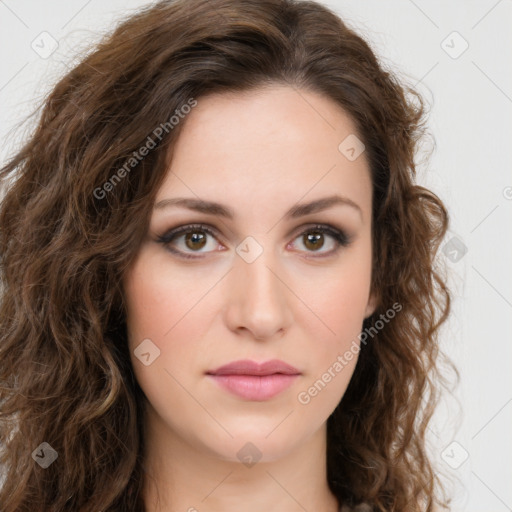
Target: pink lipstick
(255, 381)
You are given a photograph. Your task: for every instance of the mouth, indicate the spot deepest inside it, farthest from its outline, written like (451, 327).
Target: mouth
(255, 381)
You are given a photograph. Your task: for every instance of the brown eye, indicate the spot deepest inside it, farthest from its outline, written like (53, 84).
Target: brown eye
(321, 240)
(195, 240)
(313, 240)
(187, 240)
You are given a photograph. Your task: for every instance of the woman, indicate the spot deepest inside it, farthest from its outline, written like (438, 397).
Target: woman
(219, 286)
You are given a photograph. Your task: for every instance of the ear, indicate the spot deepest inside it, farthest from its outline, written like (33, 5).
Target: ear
(371, 306)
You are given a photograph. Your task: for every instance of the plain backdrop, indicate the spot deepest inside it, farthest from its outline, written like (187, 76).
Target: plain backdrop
(458, 54)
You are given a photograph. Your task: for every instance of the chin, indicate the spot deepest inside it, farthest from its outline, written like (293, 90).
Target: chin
(261, 441)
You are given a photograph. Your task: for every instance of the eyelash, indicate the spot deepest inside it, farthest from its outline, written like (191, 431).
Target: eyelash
(339, 236)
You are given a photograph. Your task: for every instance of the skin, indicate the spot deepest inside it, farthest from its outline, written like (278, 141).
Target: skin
(259, 153)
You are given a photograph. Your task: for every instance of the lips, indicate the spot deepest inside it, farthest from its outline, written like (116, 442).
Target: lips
(255, 381)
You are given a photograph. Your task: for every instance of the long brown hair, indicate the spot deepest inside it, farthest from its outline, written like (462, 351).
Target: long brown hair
(71, 222)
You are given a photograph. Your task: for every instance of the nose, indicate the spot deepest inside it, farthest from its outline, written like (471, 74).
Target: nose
(258, 300)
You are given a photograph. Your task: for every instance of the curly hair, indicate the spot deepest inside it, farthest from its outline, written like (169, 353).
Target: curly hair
(65, 373)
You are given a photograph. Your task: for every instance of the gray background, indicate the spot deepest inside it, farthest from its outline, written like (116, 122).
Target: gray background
(470, 95)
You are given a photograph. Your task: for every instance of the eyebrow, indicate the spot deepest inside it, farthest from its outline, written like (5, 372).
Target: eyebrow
(299, 210)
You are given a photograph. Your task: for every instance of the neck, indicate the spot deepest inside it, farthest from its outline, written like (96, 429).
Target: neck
(182, 477)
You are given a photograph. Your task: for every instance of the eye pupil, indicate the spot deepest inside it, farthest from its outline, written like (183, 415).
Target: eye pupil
(311, 240)
(193, 237)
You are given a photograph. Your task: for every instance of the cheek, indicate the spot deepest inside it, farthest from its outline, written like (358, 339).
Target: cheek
(160, 308)
(339, 296)
(166, 308)
(161, 300)
(339, 305)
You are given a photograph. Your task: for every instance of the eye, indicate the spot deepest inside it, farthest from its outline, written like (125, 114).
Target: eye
(193, 238)
(314, 239)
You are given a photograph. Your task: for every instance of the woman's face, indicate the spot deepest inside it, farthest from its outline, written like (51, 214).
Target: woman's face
(258, 282)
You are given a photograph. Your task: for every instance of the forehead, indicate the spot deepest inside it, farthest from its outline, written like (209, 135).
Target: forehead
(274, 113)
(263, 145)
